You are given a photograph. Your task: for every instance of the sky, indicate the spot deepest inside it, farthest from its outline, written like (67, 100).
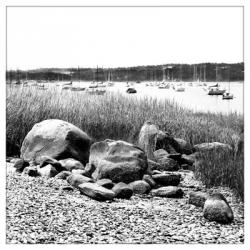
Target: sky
(120, 37)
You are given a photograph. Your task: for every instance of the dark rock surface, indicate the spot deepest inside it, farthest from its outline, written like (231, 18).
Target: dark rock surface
(20, 165)
(167, 179)
(96, 192)
(122, 190)
(140, 187)
(168, 192)
(76, 179)
(197, 198)
(216, 208)
(107, 183)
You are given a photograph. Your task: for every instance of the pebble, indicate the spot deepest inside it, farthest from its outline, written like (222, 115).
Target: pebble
(32, 202)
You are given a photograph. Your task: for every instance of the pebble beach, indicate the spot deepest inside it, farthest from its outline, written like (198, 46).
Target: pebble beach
(48, 211)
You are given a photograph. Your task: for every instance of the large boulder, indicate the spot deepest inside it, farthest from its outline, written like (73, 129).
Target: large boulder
(168, 192)
(167, 179)
(166, 163)
(140, 187)
(212, 146)
(147, 138)
(70, 164)
(122, 190)
(216, 208)
(57, 139)
(118, 161)
(197, 198)
(96, 192)
(76, 179)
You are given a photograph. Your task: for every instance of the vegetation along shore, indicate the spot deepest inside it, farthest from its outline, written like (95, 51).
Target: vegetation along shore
(116, 116)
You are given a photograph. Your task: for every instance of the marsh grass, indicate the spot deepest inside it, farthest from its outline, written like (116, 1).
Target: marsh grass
(222, 169)
(114, 116)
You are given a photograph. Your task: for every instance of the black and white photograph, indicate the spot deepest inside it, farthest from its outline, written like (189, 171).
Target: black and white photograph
(124, 124)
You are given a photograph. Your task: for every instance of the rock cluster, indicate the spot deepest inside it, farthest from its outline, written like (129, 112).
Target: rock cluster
(117, 169)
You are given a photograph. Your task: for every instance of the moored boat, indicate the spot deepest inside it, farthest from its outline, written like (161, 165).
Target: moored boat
(227, 96)
(131, 91)
(216, 91)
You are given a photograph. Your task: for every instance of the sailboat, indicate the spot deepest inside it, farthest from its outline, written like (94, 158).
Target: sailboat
(180, 86)
(95, 87)
(109, 82)
(227, 95)
(164, 84)
(216, 90)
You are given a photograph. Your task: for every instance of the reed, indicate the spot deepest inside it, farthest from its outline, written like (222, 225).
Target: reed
(113, 116)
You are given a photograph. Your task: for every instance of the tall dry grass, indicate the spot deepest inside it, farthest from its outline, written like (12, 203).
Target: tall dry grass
(113, 116)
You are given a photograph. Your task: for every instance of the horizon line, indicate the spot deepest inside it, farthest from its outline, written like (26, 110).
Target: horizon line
(88, 67)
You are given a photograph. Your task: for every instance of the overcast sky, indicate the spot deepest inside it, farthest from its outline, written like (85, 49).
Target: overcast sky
(111, 37)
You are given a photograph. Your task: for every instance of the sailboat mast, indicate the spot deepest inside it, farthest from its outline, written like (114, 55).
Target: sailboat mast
(97, 74)
(79, 74)
(180, 73)
(204, 73)
(163, 72)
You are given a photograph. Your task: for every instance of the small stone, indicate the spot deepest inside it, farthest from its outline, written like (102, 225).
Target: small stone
(169, 192)
(197, 198)
(140, 187)
(122, 190)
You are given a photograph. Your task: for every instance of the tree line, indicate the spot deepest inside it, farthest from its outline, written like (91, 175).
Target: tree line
(172, 72)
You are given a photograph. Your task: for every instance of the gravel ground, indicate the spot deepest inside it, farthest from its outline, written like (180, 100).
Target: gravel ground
(39, 211)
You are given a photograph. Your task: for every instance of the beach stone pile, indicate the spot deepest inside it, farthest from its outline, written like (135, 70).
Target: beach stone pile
(111, 169)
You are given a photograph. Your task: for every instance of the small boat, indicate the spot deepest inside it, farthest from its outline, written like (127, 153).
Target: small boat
(179, 87)
(77, 89)
(109, 81)
(227, 96)
(131, 91)
(66, 87)
(164, 85)
(67, 84)
(216, 91)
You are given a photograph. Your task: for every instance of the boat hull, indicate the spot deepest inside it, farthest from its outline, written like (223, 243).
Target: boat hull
(216, 92)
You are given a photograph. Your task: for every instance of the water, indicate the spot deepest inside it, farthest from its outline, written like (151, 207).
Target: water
(195, 98)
